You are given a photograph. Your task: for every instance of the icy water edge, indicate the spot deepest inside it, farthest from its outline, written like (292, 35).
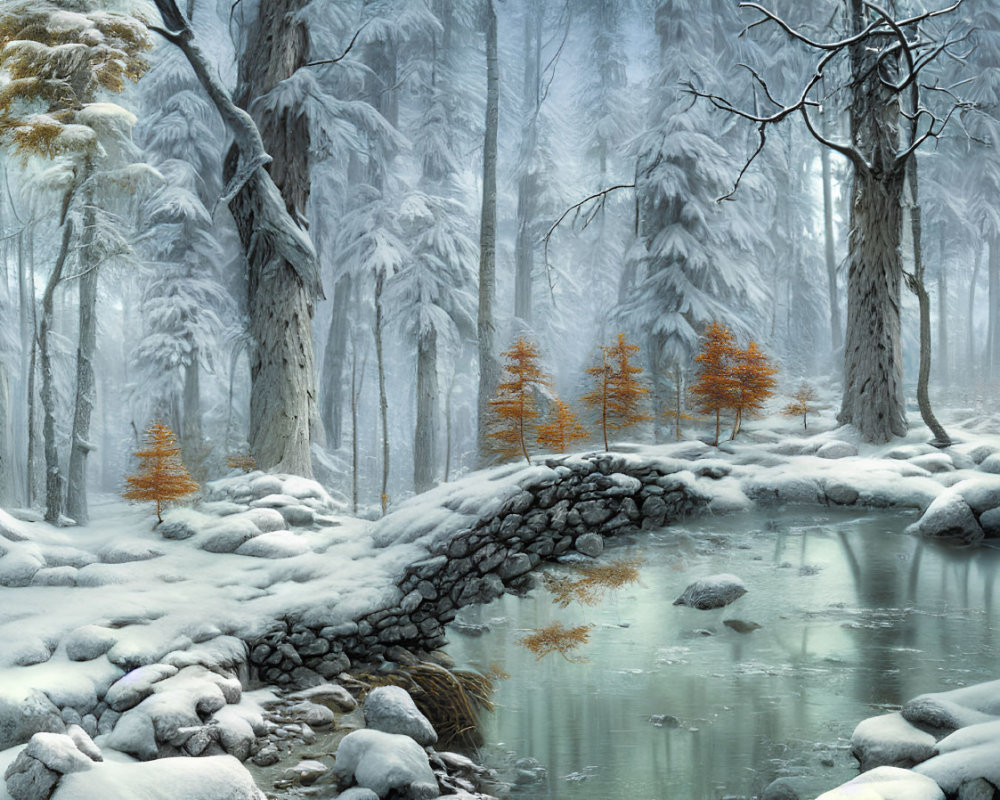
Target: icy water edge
(855, 618)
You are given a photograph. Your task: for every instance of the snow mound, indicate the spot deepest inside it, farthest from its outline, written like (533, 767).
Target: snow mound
(886, 783)
(274, 544)
(384, 762)
(890, 740)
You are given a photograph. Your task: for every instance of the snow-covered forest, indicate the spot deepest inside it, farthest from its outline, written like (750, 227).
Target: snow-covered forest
(338, 336)
(452, 182)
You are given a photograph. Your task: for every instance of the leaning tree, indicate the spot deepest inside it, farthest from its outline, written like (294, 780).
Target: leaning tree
(892, 112)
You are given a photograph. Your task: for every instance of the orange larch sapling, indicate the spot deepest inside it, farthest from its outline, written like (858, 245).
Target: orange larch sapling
(716, 386)
(514, 407)
(561, 429)
(162, 476)
(753, 375)
(618, 394)
(802, 404)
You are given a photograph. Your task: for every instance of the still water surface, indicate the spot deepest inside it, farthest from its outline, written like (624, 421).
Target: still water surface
(855, 618)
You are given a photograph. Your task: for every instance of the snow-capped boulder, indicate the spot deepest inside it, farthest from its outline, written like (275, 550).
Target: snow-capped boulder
(229, 533)
(934, 462)
(840, 493)
(889, 740)
(274, 544)
(19, 565)
(968, 760)
(33, 775)
(948, 515)
(392, 710)
(208, 778)
(981, 452)
(135, 686)
(991, 464)
(981, 493)
(886, 783)
(715, 591)
(88, 642)
(331, 695)
(55, 576)
(956, 708)
(384, 762)
(24, 713)
(837, 449)
(127, 550)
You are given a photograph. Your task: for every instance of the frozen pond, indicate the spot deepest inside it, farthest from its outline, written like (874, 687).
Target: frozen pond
(855, 618)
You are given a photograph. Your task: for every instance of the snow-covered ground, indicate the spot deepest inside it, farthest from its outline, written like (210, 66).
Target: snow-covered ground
(81, 607)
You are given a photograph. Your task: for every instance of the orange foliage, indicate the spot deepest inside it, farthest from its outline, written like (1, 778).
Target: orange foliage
(617, 394)
(555, 638)
(715, 387)
(802, 403)
(243, 461)
(753, 374)
(514, 406)
(562, 429)
(162, 476)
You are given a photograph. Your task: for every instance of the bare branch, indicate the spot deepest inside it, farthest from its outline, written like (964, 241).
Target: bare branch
(343, 55)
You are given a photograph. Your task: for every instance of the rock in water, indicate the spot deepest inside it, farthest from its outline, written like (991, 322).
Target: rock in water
(384, 762)
(740, 626)
(715, 591)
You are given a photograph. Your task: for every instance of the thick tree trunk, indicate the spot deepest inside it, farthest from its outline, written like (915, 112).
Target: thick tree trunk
(334, 356)
(192, 437)
(943, 362)
(426, 432)
(873, 367)
(489, 364)
(524, 246)
(355, 397)
(283, 413)
(86, 386)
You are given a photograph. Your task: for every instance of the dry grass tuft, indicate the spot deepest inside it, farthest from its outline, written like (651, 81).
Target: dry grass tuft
(555, 638)
(595, 580)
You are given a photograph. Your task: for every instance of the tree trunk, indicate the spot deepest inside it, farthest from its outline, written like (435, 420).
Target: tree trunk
(332, 396)
(7, 467)
(524, 246)
(970, 329)
(678, 398)
(383, 403)
(993, 336)
(355, 396)
(283, 414)
(873, 368)
(489, 364)
(192, 437)
(943, 362)
(86, 386)
(836, 334)
(426, 432)
(53, 475)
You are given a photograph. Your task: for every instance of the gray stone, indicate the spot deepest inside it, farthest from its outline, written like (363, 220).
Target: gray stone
(780, 789)
(977, 789)
(358, 793)
(715, 591)
(392, 710)
(134, 687)
(837, 449)
(593, 512)
(84, 743)
(990, 522)
(176, 530)
(841, 493)
(59, 752)
(654, 509)
(267, 756)
(29, 779)
(590, 544)
(23, 714)
(991, 464)
(298, 515)
(514, 565)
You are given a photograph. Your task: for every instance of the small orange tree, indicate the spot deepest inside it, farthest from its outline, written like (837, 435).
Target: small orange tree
(617, 392)
(753, 376)
(162, 476)
(561, 429)
(802, 403)
(715, 388)
(514, 407)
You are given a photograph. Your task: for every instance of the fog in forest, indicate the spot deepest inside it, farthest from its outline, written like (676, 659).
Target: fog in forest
(135, 286)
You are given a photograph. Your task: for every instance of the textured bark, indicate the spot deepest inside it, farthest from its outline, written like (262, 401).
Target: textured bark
(943, 361)
(54, 479)
(873, 369)
(86, 386)
(283, 413)
(383, 401)
(489, 364)
(426, 432)
(970, 328)
(356, 382)
(524, 246)
(334, 356)
(192, 437)
(6, 440)
(993, 332)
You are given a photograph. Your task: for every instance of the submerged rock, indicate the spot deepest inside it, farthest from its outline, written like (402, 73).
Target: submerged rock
(715, 591)
(740, 626)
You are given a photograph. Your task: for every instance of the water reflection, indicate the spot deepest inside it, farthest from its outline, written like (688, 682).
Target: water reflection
(854, 616)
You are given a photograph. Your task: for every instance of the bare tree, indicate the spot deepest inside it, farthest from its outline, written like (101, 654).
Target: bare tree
(885, 57)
